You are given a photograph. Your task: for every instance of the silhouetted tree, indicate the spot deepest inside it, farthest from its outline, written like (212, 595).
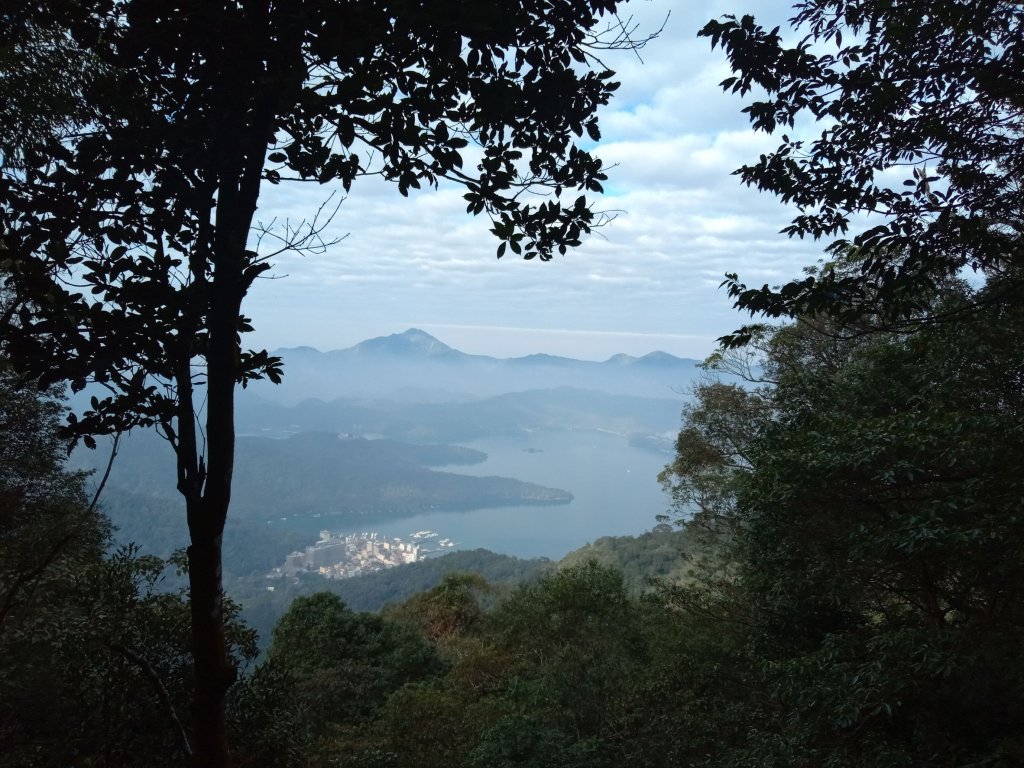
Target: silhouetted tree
(873, 538)
(928, 97)
(127, 241)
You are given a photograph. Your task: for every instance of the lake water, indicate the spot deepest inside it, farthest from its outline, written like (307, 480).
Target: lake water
(614, 485)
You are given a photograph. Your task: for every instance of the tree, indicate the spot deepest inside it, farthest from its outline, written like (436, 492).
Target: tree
(96, 653)
(44, 77)
(149, 204)
(47, 526)
(39, 500)
(548, 677)
(575, 639)
(343, 665)
(874, 541)
(448, 611)
(932, 92)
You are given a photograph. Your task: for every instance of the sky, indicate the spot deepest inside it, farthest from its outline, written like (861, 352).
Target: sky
(647, 281)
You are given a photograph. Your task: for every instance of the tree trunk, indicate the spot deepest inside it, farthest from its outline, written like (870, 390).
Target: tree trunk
(244, 121)
(213, 672)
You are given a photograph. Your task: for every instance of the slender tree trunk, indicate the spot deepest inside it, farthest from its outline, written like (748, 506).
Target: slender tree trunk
(214, 672)
(213, 668)
(209, 649)
(241, 128)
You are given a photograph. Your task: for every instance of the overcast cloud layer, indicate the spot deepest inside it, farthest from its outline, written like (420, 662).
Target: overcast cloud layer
(648, 281)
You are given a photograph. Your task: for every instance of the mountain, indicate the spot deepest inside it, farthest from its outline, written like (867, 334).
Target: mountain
(410, 343)
(415, 366)
(439, 420)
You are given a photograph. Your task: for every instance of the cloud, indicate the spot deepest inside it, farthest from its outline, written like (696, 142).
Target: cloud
(684, 220)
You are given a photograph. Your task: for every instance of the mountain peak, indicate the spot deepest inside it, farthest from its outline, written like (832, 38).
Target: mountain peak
(621, 359)
(659, 358)
(410, 342)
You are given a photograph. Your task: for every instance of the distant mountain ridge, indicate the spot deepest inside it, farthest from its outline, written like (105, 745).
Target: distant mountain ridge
(413, 359)
(424, 420)
(416, 342)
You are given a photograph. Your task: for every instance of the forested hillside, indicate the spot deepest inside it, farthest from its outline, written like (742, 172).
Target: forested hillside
(95, 647)
(450, 418)
(849, 593)
(874, 600)
(840, 580)
(327, 474)
(647, 563)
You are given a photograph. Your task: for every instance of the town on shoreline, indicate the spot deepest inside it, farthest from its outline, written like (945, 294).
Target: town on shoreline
(341, 556)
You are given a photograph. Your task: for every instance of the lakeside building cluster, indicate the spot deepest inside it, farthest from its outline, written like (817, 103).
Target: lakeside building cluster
(338, 557)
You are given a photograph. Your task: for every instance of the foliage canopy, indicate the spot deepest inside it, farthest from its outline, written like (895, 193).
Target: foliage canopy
(872, 536)
(126, 225)
(921, 113)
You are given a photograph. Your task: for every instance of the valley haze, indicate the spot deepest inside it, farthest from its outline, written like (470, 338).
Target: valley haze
(416, 366)
(528, 456)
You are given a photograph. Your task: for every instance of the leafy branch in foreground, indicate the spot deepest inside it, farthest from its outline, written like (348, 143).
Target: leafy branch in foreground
(921, 115)
(125, 228)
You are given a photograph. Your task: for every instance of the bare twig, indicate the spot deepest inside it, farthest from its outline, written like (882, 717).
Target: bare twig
(106, 473)
(306, 237)
(161, 691)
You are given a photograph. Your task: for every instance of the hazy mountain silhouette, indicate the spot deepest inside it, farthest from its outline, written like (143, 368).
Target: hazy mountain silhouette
(415, 366)
(558, 409)
(412, 343)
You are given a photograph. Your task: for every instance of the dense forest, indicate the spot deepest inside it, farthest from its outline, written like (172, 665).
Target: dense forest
(841, 582)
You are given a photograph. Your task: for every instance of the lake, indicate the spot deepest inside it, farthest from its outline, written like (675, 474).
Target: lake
(614, 485)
